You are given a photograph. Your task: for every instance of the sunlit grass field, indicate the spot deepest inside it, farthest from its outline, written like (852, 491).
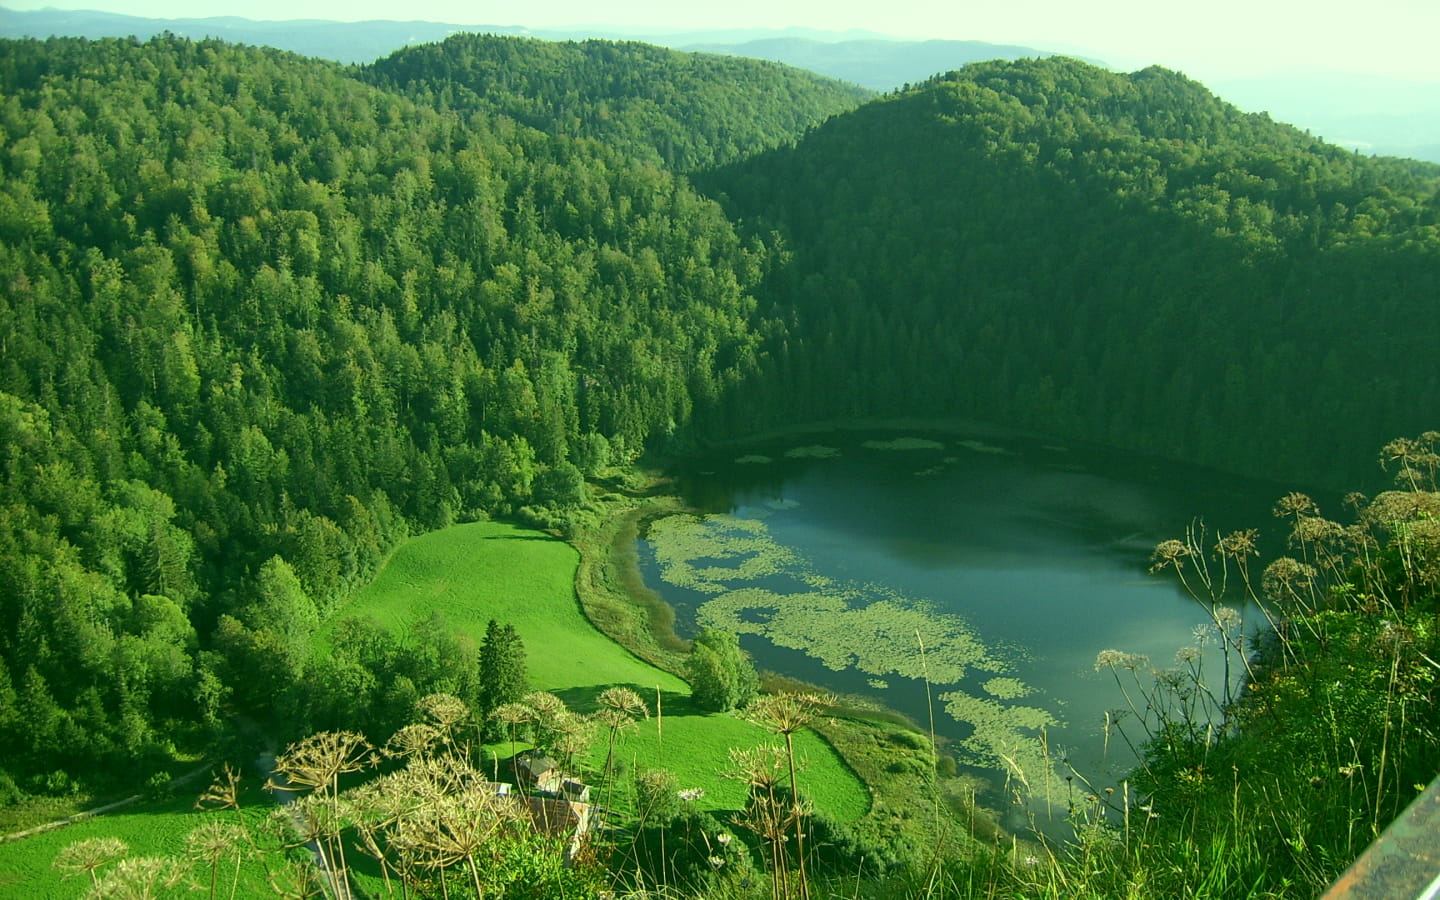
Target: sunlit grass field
(471, 574)
(148, 829)
(488, 570)
(475, 572)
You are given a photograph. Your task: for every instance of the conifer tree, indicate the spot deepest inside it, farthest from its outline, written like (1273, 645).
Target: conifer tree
(502, 669)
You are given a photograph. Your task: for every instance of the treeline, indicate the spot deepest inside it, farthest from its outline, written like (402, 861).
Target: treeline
(685, 111)
(1123, 259)
(261, 320)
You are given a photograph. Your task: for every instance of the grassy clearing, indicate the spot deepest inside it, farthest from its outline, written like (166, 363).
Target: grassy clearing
(149, 829)
(489, 570)
(695, 747)
(473, 573)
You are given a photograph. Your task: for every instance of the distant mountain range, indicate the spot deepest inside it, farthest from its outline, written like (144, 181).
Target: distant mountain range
(1370, 114)
(881, 64)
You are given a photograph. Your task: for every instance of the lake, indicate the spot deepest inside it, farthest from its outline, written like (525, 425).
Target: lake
(836, 555)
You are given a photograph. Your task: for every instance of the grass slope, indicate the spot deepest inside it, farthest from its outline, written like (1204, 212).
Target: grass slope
(472, 573)
(475, 572)
(151, 829)
(488, 570)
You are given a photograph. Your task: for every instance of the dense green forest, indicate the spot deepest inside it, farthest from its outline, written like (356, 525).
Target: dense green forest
(260, 320)
(688, 111)
(263, 316)
(1119, 258)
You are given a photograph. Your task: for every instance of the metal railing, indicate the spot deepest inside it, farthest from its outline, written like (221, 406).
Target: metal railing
(1404, 862)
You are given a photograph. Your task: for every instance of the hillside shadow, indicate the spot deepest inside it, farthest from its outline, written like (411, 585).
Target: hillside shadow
(584, 700)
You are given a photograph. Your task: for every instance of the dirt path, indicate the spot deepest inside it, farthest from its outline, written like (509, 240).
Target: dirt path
(100, 810)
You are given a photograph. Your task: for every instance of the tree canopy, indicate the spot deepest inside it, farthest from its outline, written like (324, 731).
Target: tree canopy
(1124, 259)
(264, 316)
(260, 321)
(686, 111)
(720, 673)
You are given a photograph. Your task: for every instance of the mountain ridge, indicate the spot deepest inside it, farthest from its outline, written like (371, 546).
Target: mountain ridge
(1416, 134)
(264, 318)
(1062, 212)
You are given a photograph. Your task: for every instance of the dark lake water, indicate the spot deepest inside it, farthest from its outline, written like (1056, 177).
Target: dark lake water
(1016, 562)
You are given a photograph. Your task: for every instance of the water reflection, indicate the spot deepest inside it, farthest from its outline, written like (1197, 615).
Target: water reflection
(1016, 564)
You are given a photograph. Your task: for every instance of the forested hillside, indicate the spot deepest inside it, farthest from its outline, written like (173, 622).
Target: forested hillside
(1118, 258)
(261, 319)
(685, 110)
(262, 316)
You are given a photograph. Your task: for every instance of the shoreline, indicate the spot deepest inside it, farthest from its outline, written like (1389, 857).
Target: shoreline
(865, 734)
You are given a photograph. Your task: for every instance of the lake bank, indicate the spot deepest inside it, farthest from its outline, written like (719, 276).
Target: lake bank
(888, 751)
(969, 573)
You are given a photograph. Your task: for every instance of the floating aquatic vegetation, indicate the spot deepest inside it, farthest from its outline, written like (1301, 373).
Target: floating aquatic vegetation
(813, 451)
(877, 639)
(753, 459)
(1005, 736)
(841, 624)
(905, 443)
(1007, 688)
(742, 549)
(758, 586)
(982, 447)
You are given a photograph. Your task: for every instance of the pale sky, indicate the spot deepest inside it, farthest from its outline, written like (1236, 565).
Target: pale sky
(1204, 38)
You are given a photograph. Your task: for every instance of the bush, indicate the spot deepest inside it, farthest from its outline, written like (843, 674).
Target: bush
(721, 675)
(157, 786)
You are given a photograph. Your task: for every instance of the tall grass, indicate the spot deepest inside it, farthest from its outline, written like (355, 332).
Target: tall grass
(1265, 778)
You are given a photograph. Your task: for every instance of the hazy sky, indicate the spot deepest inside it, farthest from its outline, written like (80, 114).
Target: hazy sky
(1202, 37)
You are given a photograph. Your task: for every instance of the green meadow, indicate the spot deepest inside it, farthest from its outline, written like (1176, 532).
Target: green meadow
(475, 572)
(488, 570)
(148, 829)
(472, 573)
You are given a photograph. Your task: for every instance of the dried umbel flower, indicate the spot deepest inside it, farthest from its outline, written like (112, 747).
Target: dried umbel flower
(1169, 553)
(317, 761)
(1296, 504)
(1239, 544)
(140, 876)
(413, 740)
(1118, 659)
(89, 855)
(1417, 461)
(1315, 530)
(444, 710)
(1391, 507)
(787, 713)
(214, 841)
(1285, 577)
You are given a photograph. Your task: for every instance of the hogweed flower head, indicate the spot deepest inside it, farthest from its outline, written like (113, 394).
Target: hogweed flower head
(1118, 659)
(1228, 618)
(1239, 544)
(1169, 553)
